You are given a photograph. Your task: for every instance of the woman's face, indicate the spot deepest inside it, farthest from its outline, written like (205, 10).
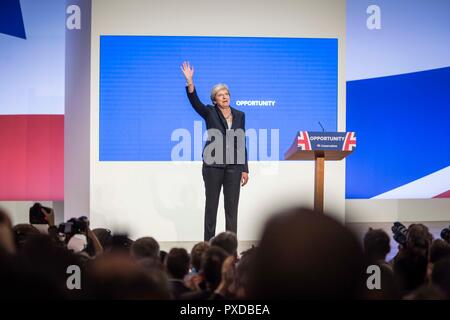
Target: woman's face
(222, 98)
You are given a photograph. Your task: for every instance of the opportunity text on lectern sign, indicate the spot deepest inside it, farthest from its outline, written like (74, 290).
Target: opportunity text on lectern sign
(342, 141)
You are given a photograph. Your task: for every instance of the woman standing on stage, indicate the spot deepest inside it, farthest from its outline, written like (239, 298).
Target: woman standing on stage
(227, 167)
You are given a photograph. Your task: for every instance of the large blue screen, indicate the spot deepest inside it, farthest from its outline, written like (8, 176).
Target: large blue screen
(143, 99)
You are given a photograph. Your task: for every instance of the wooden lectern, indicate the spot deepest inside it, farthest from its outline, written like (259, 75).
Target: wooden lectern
(321, 146)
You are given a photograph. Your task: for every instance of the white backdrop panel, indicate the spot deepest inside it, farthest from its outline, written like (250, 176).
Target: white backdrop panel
(166, 199)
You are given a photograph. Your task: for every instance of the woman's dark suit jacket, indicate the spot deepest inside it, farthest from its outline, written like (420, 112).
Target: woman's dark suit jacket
(215, 120)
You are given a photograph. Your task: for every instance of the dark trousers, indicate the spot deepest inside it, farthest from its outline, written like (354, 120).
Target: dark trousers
(230, 178)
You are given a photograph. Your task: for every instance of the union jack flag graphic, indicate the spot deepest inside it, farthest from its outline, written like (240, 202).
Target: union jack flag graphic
(303, 140)
(349, 142)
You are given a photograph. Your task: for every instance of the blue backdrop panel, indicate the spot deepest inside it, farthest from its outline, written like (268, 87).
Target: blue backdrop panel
(403, 128)
(143, 98)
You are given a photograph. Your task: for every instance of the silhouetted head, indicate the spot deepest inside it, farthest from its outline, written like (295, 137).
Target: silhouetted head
(410, 270)
(212, 261)
(146, 247)
(177, 263)
(419, 238)
(7, 244)
(227, 241)
(439, 250)
(376, 244)
(441, 275)
(196, 255)
(116, 276)
(307, 255)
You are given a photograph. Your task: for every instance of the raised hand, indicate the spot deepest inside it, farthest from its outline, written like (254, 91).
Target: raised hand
(244, 178)
(49, 216)
(226, 286)
(188, 71)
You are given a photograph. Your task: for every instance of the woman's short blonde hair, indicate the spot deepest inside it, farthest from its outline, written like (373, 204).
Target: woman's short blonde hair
(216, 89)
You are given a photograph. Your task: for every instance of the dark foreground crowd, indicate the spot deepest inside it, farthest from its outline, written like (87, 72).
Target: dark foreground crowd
(301, 255)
